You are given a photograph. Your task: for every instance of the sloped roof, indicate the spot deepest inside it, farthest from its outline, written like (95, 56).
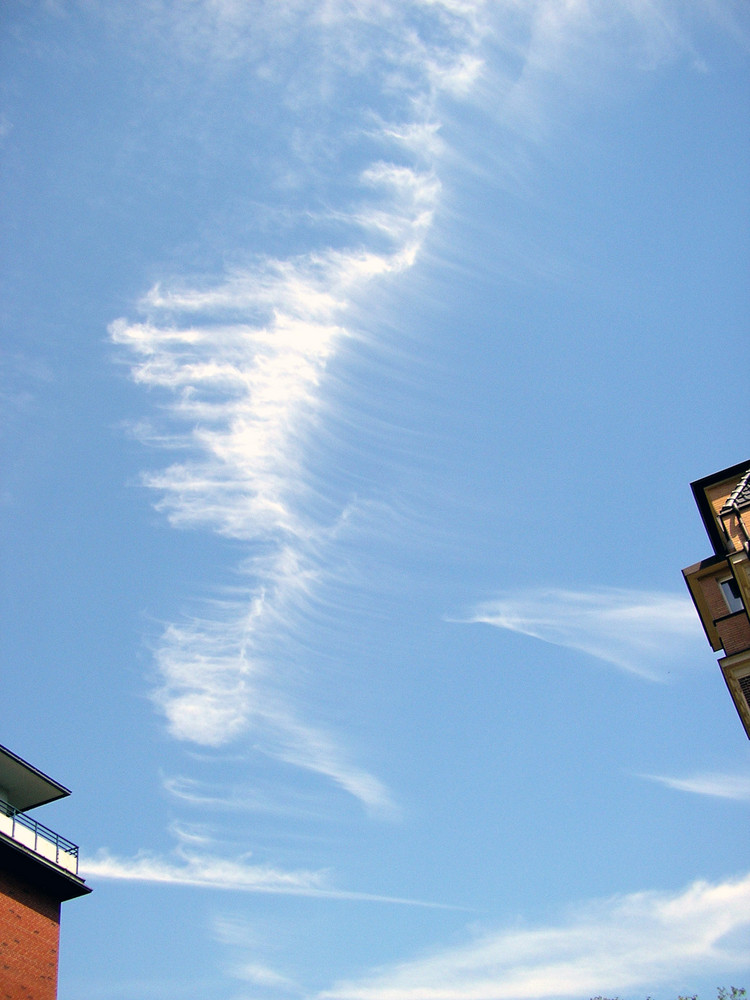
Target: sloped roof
(740, 495)
(709, 516)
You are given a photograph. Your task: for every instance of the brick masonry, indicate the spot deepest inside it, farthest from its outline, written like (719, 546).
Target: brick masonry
(720, 584)
(735, 633)
(734, 630)
(29, 936)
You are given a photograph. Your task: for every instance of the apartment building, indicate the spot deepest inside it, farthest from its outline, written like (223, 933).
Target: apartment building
(720, 584)
(38, 872)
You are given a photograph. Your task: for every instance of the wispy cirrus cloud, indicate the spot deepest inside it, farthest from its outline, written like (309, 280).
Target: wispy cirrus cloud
(240, 361)
(262, 975)
(252, 943)
(205, 871)
(202, 870)
(210, 796)
(632, 942)
(641, 632)
(715, 784)
(316, 751)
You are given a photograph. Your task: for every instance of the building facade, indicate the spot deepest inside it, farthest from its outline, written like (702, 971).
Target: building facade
(38, 871)
(720, 584)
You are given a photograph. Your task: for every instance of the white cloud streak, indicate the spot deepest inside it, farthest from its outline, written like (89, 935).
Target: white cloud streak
(641, 632)
(714, 784)
(262, 975)
(251, 940)
(206, 871)
(208, 796)
(315, 751)
(632, 942)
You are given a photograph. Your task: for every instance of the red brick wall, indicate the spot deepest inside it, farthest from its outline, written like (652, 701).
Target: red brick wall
(713, 595)
(29, 934)
(734, 633)
(734, 630)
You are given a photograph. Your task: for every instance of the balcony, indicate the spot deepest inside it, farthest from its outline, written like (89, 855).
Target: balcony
(37, 838)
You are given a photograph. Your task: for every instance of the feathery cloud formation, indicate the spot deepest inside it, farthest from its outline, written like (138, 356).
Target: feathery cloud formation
(625, 943)
(240, 364)
(207, 871)
(716, 785)
(641, 632)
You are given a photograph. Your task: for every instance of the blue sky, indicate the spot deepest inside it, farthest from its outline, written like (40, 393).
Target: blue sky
(358, 356)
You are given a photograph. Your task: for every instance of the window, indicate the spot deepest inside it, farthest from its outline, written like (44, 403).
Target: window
(731, 594)
(744, 683)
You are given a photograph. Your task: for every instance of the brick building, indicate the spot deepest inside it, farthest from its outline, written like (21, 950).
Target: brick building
(720, 585)
(38, 871)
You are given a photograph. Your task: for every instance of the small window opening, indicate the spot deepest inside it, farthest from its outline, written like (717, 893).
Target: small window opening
(731, 594)
(745, 688)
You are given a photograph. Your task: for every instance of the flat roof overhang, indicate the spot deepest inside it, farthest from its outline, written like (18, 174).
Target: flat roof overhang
(26, 786)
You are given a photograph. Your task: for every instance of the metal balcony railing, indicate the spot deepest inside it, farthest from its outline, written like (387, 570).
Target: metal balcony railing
(38, 838)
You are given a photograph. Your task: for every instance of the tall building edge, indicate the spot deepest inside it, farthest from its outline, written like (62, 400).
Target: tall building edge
(38, 872)
(720, 584)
